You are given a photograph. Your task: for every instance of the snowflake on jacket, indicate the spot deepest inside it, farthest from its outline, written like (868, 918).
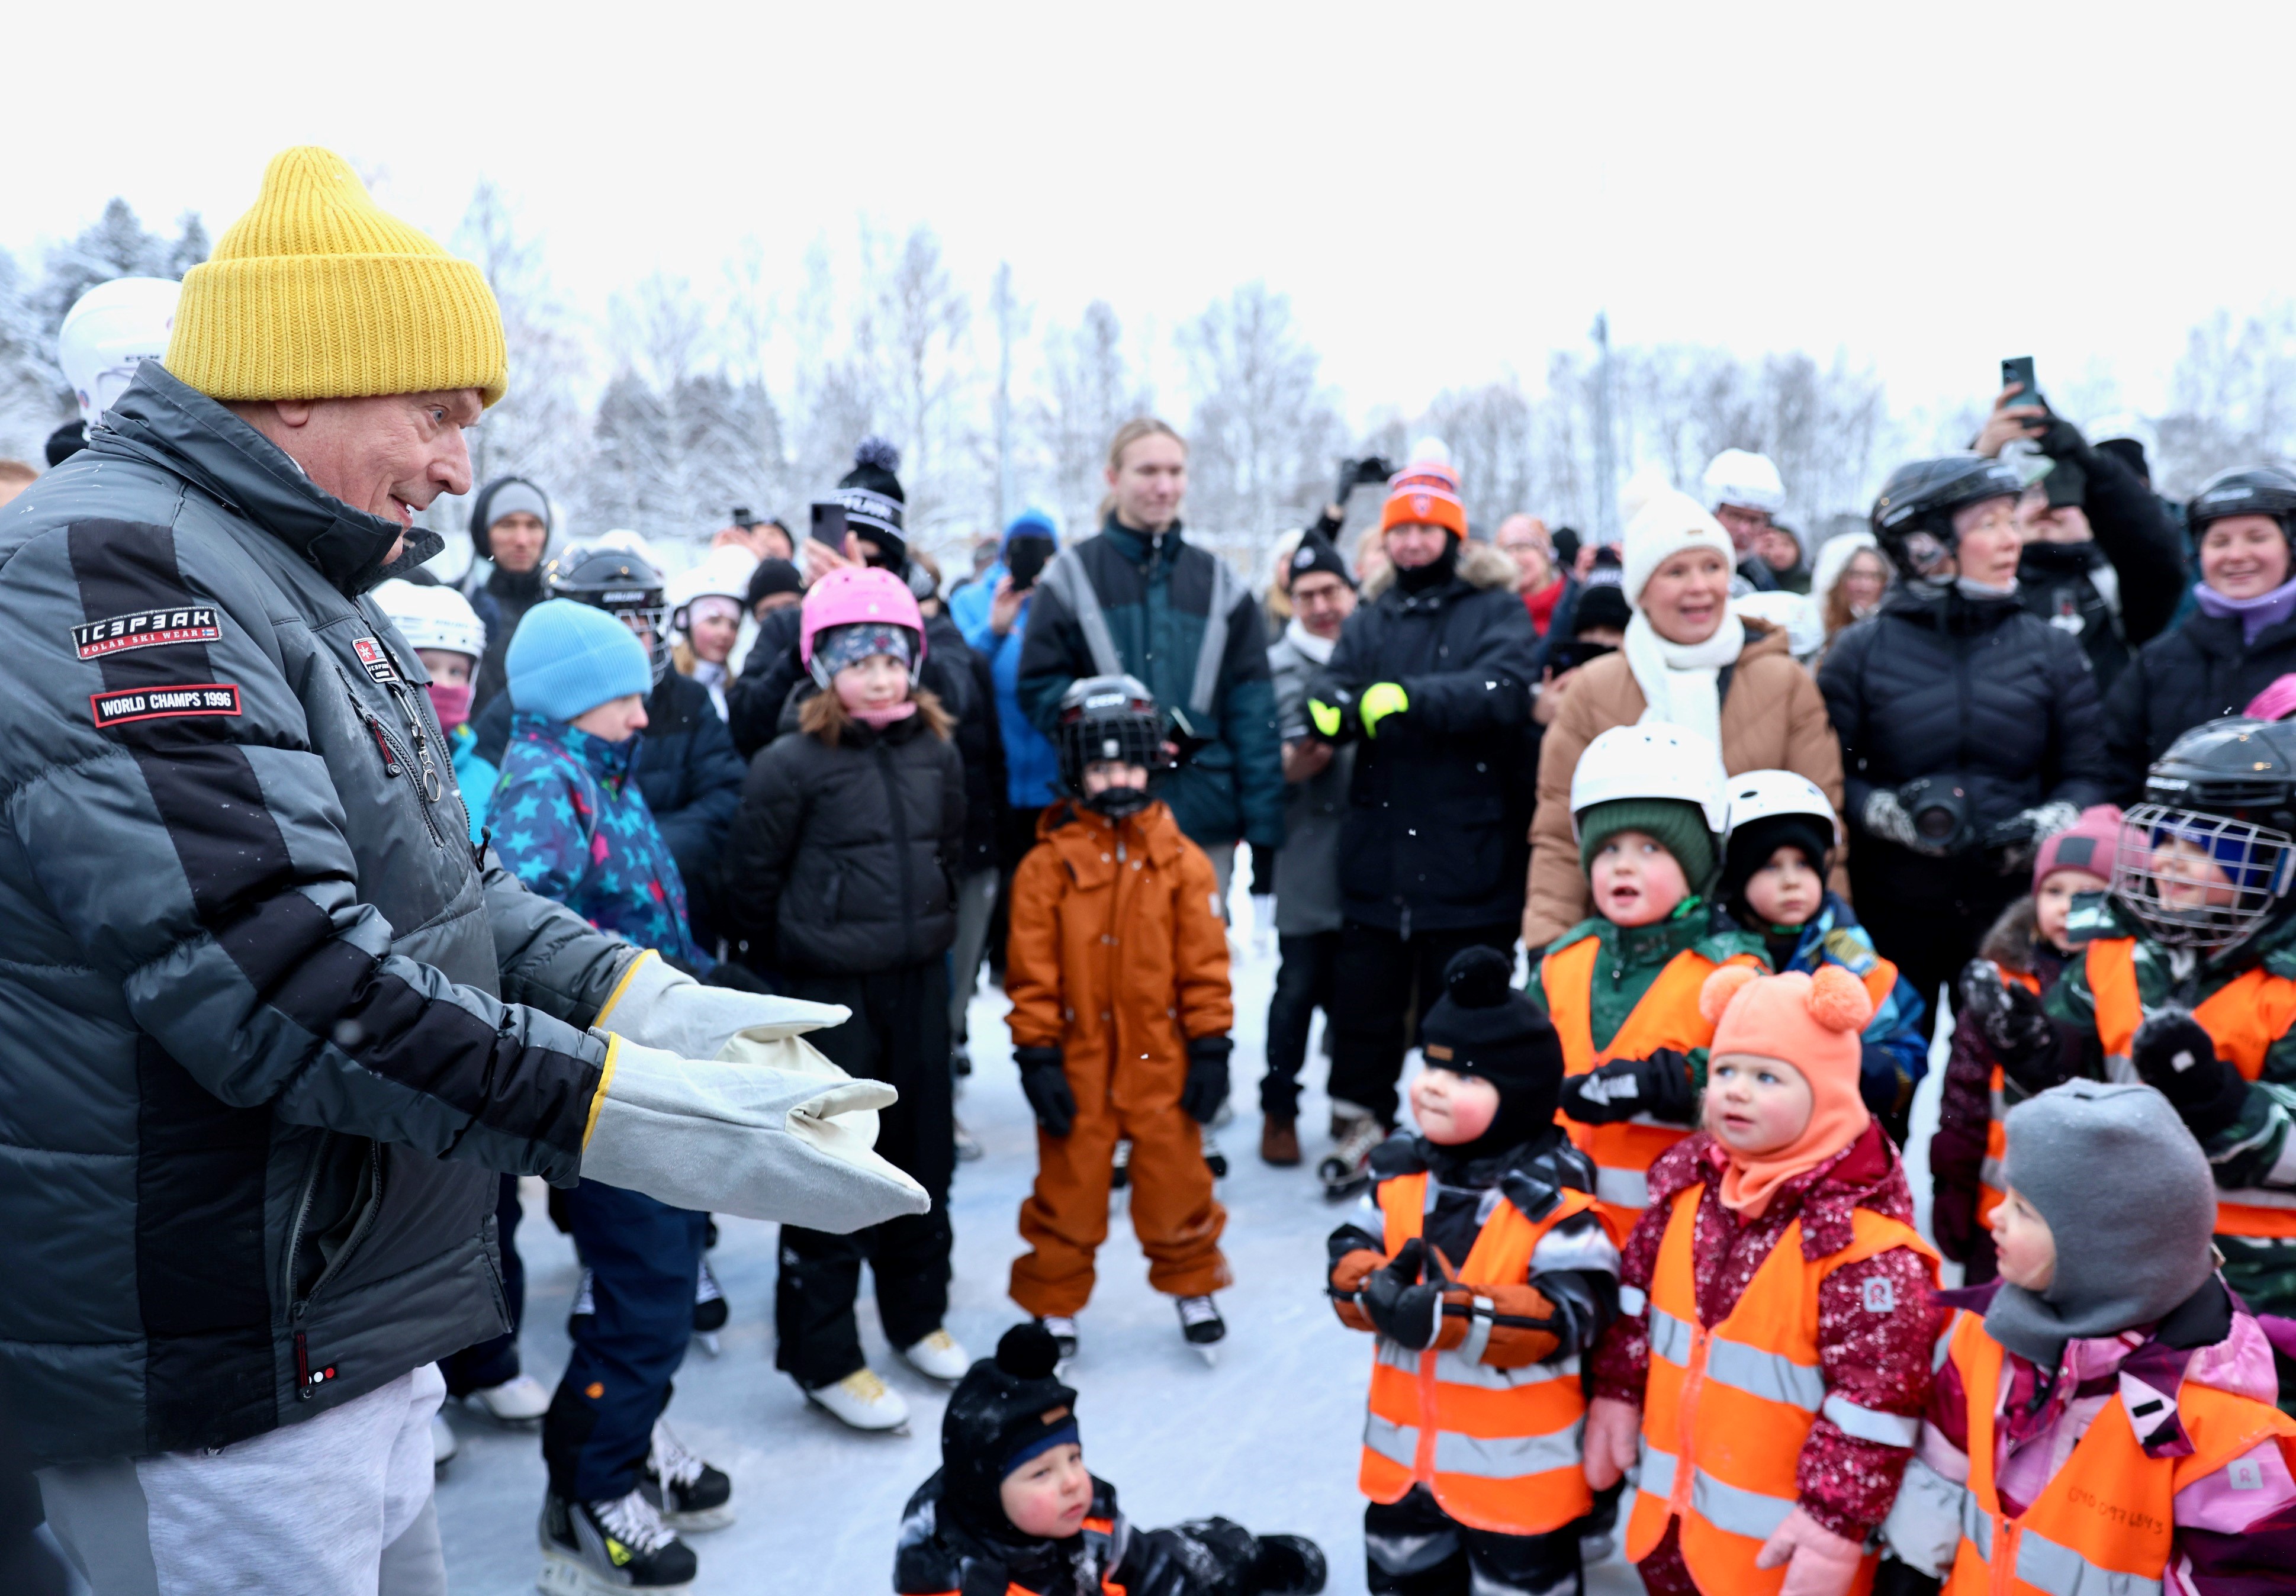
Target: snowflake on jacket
(570, 822)
(1875, 1332)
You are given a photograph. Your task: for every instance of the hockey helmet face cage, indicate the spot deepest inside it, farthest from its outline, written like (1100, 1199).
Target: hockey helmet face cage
(2206, 860)
(2263, 490)
(1912, 520)
(623, 586)
(1109, 720)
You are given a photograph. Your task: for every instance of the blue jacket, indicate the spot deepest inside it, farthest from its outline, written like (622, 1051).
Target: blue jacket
(1032, 764)
(475, 774)
(571, 823)
(968, 607)
(1897, 1050)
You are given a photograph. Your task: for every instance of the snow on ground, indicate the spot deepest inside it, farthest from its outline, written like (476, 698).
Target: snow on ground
(1271, 1436)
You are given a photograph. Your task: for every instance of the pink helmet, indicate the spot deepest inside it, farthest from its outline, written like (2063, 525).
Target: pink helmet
(858, 596)
(2275, 702)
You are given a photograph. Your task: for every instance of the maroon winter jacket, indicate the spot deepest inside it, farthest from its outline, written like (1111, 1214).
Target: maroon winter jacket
(1876, 1358)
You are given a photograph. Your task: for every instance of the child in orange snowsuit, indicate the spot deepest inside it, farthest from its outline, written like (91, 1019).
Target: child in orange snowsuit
(1117, 968)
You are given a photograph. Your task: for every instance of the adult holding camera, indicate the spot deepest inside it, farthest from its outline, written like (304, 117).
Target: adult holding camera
(2242, 641)
(1687, 659)
(1969, 726)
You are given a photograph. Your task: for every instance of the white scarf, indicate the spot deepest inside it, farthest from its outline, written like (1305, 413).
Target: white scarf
(1679, 680)
(1318, 650)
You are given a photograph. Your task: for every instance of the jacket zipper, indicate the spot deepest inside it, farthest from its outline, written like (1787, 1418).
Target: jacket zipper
(307, 1381)
(397, 762)
(901, 849)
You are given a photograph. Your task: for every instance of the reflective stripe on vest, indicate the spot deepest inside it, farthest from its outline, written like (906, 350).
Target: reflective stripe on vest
(2244, 1018)
(1499, 1449)
(1991, 1182)
(1666, 1016)
(1726, 1410)
(2105, 1523)
(1066, 575)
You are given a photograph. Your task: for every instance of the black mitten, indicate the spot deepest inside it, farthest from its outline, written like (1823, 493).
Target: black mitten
(2011, 1019)
(2174, 1053)
(1659, 1086)
(1047, 1085)
(1206, 1088)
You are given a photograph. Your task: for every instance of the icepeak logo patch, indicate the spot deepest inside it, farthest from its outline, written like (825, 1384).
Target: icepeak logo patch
(148, 629)
(375, 658)
(164, 703)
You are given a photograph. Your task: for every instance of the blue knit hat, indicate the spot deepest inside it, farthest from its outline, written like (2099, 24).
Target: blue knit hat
(566, 659)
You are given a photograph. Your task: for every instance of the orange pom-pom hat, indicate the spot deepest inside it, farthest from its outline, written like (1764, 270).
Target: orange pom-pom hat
(1811, 1022)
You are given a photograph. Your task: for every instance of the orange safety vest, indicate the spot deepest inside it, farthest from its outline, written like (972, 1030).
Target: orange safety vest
(2244, 1018)
(1500, 1449)
(1667, 1016)
(1726, 1411)
(1991, 1182)
(2106, 1519)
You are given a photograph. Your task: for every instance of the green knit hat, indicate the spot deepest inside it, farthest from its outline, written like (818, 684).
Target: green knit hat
(1679, 826)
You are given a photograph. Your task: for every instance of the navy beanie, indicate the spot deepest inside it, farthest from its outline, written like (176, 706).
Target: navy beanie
(566, 659)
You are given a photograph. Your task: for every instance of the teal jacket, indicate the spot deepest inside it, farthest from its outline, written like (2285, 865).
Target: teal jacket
(1158, 595)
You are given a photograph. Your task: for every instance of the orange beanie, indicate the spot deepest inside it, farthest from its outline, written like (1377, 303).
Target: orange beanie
(1811, 1022)
(1424, 492)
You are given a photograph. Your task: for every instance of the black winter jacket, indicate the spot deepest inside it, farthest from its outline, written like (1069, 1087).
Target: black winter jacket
(690, 774)
(2138, 551)
(2201, 672)
(271, 1030)
(841, 858)
(502, 599)
(1948, 685)
(1437, 834)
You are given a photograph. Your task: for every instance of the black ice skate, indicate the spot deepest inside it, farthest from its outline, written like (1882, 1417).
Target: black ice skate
(710, 1308)
(1120, 1176)
(603, 1548)
(1347, 1169)
(1201, 1325)
(690, 1493)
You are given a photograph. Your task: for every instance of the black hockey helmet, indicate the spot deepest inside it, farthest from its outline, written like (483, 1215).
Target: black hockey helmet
(1109, 718)
(2252, 490)
(619, 583)
(1912, 520)
(2210, 855)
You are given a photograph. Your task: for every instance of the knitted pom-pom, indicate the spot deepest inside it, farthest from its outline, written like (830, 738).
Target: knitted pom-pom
(878, 451)
(1721, 987)
(1477, 978)
(1028, 1352)
(1838, 1000)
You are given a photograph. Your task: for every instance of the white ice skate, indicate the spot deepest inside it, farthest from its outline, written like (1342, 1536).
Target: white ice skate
(518, 1403)
(444, 1445)
(940, 1356)
(1064, 1334)
(1201, 1325)
(865, 1402)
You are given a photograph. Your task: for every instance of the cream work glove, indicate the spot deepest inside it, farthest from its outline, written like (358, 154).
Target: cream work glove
(769, 1130)
(657, 1006)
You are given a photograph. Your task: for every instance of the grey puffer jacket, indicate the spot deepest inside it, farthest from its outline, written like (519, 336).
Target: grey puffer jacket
(271, 1029)
(1307, 865)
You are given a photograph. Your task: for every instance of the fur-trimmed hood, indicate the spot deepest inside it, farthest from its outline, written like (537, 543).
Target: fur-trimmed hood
(1480, 566)
(2010, 943)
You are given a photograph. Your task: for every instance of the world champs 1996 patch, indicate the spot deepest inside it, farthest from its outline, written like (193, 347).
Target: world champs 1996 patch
(163, 703)
(150, 629)
(375, 658)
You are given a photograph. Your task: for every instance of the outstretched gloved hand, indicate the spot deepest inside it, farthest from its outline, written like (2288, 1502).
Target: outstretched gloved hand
(2014, 1026)
(1658, 1087)
(771, 1130)
(1818, 1561)
(657, 1006)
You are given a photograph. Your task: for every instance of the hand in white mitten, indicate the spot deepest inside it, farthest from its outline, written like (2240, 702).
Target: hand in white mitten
(657, 1006)
(1818, 1563)
(774, 1132)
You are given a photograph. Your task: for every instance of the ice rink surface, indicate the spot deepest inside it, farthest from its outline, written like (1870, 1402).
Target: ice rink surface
(1270, 1437)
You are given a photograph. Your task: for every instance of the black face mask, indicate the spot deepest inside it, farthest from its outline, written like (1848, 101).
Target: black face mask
(1026, 558)
(1117, 802)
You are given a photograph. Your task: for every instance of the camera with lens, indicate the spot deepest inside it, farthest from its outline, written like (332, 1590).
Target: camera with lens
(1941, 813)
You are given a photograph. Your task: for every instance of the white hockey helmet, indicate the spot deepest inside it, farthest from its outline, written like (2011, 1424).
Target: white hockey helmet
(1651, 760)
(723, 573)
(112, 329)
(1739, 477)
(432, 618)
(625, 540)
(1760, 794)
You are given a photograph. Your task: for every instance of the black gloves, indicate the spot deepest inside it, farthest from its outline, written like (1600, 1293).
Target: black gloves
(2010, 1018)
(1207, 1084)
(1047, 1085)
(1353, 473)
(2173, 1052)
(1659, 1086)
(737, 977)
(1407, 1310)
(1263, 871)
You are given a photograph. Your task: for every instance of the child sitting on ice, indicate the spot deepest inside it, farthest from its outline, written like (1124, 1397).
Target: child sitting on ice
(2103, 1418)
(1782, 833)
(1480, 1261)
(2028, 947)
(1774, 1343)
(1013, 1512)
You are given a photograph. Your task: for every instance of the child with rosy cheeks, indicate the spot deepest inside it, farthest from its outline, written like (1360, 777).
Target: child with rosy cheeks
(1780, 1236)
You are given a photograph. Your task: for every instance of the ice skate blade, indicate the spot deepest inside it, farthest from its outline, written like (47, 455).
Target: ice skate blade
(1211, 1354)
(563, 1575)
(900, 1430)
(702, 1521)
(709, 1343)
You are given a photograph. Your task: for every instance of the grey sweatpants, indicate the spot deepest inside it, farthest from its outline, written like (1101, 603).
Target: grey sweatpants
(338, 1505)
(976, 906)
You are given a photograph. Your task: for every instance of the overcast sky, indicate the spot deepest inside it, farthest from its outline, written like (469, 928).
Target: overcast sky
(1446, 191)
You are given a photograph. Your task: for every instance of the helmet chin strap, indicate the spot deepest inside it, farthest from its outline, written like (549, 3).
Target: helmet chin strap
(1117, 802)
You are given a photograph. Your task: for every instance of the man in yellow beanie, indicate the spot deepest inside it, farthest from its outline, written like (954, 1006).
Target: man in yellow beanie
(273, 1028)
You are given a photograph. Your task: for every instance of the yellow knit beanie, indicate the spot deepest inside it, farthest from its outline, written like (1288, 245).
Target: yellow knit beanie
(317, 294)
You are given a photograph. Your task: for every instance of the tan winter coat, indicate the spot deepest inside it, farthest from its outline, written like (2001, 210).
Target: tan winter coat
(1772, 719)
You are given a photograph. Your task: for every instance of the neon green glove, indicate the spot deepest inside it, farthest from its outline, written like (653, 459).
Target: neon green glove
(1324, 717)
(1380, 701)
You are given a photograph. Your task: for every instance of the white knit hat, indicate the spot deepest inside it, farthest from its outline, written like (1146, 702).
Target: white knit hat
(1669, 521)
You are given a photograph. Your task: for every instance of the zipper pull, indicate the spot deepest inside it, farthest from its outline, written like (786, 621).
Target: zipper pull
(391, 765)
